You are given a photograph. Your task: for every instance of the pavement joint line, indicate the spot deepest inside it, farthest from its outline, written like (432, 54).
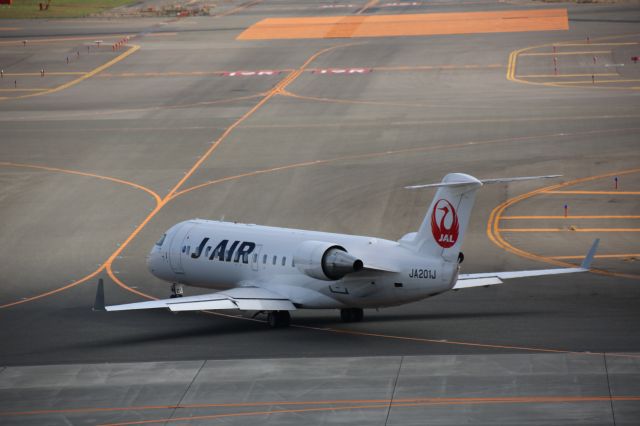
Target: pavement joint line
(186, 391)
(393, 392)
(494, 234)
(154, 108)
(394, 152)
(606, 371)
(132, 49)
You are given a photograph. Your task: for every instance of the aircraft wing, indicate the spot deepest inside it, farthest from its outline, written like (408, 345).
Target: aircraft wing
(493, 278)
(243, 298)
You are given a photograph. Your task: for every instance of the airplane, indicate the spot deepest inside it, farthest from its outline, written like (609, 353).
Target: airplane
(278, 270)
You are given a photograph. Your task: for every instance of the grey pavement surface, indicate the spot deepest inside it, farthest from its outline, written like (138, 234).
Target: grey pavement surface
(331, 153)
(397, 390)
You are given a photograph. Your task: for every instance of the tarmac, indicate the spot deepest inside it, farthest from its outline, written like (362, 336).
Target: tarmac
(408, 390)
(169, 119)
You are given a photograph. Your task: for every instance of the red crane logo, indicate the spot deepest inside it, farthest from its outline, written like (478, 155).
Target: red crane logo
(445, 230)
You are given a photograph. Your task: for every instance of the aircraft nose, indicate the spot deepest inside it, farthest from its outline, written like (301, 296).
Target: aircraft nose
(153, 261)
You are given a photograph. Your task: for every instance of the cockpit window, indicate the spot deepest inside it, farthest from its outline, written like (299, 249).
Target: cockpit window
(161, 240)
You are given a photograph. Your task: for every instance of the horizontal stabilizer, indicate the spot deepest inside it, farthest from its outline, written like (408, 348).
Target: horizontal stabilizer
(483, 181)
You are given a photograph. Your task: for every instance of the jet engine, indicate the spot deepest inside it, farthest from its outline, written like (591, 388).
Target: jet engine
(325, 261)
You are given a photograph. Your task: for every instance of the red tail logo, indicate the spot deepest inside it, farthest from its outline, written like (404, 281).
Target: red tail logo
(445, 231)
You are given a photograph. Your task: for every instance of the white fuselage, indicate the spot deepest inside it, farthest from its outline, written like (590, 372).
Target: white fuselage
(223, 255)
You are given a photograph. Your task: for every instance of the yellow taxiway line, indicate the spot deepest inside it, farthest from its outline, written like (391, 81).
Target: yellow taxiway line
(612, 74)
(569, 230)
(593, 192)
(570, 217)
(85, 76)
(600, 52)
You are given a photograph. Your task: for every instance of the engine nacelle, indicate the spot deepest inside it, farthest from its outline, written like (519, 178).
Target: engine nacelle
(325, 261)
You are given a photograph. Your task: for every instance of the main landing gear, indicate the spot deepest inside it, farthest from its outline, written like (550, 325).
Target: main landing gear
(351, 314)
(176, 290)
(278, 319)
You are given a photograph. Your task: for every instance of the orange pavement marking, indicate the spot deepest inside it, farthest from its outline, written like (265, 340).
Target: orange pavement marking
(567, 53)
(570, 217)
(569, 230)
(494, 233)
(595, 192)
(73, 172)
(282, 85)
(407, 25)
(387, 405)
(395, 401)
(610, 74)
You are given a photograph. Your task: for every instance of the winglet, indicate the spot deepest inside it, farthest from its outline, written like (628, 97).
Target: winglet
(98, 304)
(586, 263)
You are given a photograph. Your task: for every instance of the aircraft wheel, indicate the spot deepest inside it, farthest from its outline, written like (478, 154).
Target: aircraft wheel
(279, 319)
(351, 314)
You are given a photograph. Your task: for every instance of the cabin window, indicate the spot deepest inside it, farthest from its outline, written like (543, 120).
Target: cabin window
(275, 259)
(184, 249)
(255, 257)
(293, 262)
(398, 285)
(284, 260)
(264, 259)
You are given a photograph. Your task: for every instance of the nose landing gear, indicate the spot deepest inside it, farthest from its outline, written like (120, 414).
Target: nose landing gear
(176, 290)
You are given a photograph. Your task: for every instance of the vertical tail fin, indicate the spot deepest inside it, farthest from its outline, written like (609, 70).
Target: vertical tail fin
(446, 221)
